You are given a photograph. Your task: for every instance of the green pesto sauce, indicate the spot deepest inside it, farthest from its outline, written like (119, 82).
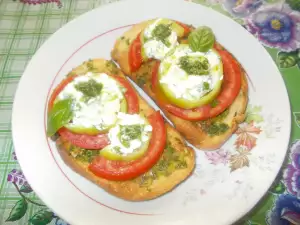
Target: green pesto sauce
(90, 66)
(215, 126)
(215, 129)
(206, 86)
(194, 66)
(170, 161)
(129, 133)
(221, 116)
(161, 32)
(90, 88)
(83, 155)
(112, 67)
(144, 74)
(214, 103)
(117, 149)
(141, 79)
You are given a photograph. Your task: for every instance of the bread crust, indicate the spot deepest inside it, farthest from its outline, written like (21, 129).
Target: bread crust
(130, 190)
(121, 48)
(191, 131)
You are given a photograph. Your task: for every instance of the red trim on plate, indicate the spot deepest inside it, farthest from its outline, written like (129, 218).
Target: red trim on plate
(45, 116)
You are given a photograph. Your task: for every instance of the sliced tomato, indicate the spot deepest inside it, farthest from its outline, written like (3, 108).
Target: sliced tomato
(122, 170)
(135, 54)
(130, 95)
(99, 141)
(58, 89)
(91, 142)
(230, 89)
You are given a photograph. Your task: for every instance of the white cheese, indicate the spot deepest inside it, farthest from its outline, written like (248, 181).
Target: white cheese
(155, 48)
(129, 119)
(100, 111)
(189, 86)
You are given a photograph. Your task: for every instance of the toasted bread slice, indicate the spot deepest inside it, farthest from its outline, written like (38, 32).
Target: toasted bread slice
(197, 133)
(175, 165)
(121, 48)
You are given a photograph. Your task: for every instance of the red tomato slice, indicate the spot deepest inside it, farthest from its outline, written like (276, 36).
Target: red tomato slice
(230, 89)
(58, 89)
(154, 77)
(94, 142)
(135, 54)
(121, 170)
(91, 142)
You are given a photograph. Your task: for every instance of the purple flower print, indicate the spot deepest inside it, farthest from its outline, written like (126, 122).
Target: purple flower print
(292, 180)
(291, 175)
(276, 26)
(17, 177)
(241, 8)
(14, 156)
(286, 211)
(35, 2)
(218, 157)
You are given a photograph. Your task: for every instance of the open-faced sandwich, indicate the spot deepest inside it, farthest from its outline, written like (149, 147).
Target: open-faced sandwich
(197, 83)
(107, 133)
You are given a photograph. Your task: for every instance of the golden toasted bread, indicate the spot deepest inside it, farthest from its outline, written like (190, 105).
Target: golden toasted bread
(175, 165)
(121, 48)
(200, 133)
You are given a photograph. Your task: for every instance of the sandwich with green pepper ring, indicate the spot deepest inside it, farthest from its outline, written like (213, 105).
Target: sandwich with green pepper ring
(197, 83)
(107, 133)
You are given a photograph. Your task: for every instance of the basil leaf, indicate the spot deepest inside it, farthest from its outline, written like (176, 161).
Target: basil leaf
(60, 115)
(202, 39)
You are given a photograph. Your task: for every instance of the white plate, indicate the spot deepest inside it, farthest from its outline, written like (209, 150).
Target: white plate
(226, 184)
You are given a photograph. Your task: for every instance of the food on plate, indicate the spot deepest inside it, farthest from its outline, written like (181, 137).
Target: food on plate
(107, 133)
(197, 83)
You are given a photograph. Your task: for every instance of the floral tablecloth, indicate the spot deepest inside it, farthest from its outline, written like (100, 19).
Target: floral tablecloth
(26, 24)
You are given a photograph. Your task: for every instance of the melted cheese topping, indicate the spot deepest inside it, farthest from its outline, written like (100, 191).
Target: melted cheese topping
(100, 111)
(189, 86)
(155, 48)
(129, 119)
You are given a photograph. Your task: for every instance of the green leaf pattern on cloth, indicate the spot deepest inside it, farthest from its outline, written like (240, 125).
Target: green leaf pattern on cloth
(18, 211)
(297, 118)
(25, 188)
(42, 217)
(288, 59)
(278, 188)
